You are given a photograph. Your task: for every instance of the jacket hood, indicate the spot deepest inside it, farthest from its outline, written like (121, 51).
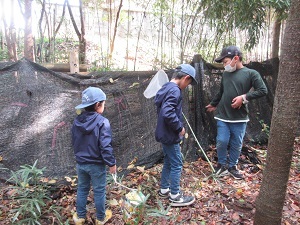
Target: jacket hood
(160, 95)
(87, 121)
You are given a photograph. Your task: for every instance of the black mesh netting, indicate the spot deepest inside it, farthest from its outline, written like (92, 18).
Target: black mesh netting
(37, 111)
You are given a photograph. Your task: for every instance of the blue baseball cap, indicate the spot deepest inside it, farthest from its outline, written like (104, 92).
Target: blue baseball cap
(90, 96)
(189, 70)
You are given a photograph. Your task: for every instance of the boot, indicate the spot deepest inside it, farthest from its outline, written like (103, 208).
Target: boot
(108, 215)
(78, 221)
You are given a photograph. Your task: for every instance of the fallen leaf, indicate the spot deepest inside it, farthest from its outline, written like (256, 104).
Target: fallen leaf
(113, 202)
(295, 207)
(134, 84)
(52, 181)
(141, 168)
(130, 166)
(235, 216)
(68, 179)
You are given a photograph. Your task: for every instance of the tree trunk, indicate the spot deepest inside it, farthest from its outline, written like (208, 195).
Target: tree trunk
(28, 36)
(270, 201)
(276, 38)
(7, 34)
(81, 36)
(12, 31)
(39, 52)
(112, 43)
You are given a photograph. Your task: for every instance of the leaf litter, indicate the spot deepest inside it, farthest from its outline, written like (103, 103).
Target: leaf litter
(219, 201)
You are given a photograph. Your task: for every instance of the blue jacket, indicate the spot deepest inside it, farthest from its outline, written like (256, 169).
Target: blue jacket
(168, 101)
(91, 139)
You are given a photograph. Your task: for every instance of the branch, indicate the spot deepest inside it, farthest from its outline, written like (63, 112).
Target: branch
(22, 12)
(41, 18)
(115, 28)
(81, 19)
(62, 18)
(72, 19)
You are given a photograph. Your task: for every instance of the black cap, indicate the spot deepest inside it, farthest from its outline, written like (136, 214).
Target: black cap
(230, 52)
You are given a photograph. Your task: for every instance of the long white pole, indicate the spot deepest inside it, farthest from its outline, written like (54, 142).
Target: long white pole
(198, 143)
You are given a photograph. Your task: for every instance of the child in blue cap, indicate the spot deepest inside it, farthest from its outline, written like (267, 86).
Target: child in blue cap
(91, 141)
(170, 131)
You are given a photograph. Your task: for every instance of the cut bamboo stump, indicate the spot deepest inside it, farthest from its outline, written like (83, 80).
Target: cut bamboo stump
(74, 62)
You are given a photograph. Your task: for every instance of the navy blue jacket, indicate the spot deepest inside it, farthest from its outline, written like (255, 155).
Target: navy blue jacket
(91, 139)
(168, 101)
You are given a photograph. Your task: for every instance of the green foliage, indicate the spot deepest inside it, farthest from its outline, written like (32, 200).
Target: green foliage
(160, 211)
(30, 198)
(281, 7)
(3, 54)
(103, 68)
(133, 207)
(226, 16)
(250, 16)
(265, 127)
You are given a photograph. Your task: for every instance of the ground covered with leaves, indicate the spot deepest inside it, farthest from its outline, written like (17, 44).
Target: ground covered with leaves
(218, 200)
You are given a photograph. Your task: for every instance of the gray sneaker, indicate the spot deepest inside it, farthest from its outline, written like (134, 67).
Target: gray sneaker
(166, 195)
(235, 173)
(220, 170)
(182, 200)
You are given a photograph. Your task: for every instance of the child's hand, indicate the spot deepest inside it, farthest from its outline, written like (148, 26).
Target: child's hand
(210, 108)
(237, 102)
(182, 132)
(113, 169)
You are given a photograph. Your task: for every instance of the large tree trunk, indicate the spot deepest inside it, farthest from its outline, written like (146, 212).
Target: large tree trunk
(28, 36)
(269, 203)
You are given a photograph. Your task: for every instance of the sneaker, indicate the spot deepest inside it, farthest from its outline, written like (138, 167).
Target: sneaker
(235, 173)
(220, 170)
(166, 195)
(182, 200)
(78, 221)
(108, 215)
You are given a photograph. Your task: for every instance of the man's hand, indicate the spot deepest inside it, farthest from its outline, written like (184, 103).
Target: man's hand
(237, 102)
(210, 108)
(113, 169)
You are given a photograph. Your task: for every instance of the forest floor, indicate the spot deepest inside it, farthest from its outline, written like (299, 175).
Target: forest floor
(218, 201)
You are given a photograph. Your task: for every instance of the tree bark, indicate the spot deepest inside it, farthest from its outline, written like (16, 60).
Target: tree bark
(276, 38)
(10, 35)
(81, 36)
(270, 201)
(28, 36)
(112, 43)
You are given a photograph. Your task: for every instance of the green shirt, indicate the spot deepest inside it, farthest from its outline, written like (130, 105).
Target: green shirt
(243, 81)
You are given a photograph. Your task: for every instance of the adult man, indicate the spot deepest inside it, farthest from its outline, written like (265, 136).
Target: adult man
(232, 111)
